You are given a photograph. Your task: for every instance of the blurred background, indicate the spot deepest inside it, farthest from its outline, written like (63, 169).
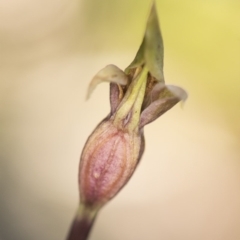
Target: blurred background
(188, 183)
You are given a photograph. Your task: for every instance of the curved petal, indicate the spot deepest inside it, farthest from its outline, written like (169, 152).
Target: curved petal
(178, 92)
(110, 73)
(167, 98)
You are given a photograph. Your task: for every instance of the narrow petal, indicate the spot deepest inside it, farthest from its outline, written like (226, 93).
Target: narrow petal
(116, 95)
(151, 49)
(110, 73)
(167, 98)
(153, 52)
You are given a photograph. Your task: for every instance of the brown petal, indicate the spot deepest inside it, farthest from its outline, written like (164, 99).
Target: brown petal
(167, 98)
(153, 94)
(116, 95)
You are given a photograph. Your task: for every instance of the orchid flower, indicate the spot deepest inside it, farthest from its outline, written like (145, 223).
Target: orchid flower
(111, 154)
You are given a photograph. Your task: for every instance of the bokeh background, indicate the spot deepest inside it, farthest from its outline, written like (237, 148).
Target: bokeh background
(188, 183)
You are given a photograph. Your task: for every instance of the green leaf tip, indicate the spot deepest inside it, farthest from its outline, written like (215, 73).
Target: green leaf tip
(151, 49)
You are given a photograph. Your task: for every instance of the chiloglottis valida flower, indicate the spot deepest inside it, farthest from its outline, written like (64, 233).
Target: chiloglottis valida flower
(138, 96)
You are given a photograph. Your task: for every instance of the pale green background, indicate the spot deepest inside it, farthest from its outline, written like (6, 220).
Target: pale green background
(188, 183)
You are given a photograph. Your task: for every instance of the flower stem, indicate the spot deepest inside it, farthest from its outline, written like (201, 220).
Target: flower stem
(82, 224)
(132, 101)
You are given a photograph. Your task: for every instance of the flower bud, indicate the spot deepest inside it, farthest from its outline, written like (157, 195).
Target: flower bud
(108, 160)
